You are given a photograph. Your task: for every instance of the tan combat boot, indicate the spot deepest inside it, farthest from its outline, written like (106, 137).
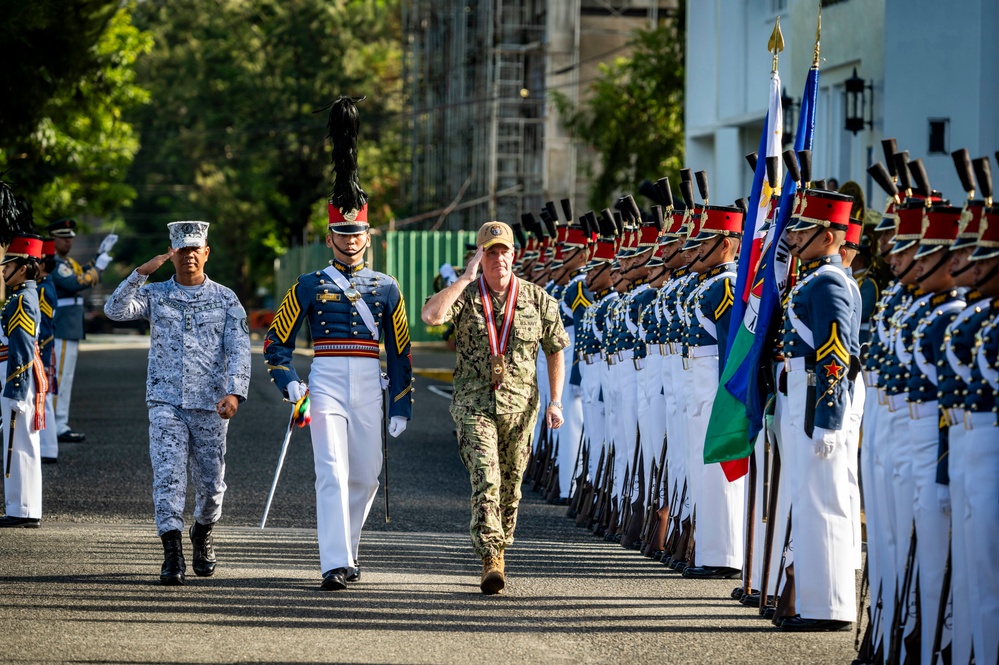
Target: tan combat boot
(492, 575)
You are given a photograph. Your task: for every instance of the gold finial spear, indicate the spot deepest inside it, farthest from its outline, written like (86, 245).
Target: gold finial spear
(776, 43)
(818, 31)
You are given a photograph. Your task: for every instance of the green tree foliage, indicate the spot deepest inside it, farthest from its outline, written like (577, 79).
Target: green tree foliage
(634, 118)
(75, 156)
(235, 135)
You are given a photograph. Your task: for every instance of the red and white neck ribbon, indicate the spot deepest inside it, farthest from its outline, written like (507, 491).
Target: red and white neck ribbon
(498, 343)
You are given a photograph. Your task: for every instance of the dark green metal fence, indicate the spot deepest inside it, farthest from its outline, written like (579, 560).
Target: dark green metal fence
(412, 257)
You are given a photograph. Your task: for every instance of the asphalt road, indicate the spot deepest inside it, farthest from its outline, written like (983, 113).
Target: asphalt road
(84, 587)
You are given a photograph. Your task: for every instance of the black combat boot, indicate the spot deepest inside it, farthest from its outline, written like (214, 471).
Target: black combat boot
(172, 572)
(204, 550)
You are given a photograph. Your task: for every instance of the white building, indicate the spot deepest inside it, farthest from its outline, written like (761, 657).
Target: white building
(926, 64)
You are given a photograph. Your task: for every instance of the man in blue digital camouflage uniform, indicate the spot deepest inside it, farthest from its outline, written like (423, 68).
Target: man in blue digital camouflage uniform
(199, 374)
(349, 309)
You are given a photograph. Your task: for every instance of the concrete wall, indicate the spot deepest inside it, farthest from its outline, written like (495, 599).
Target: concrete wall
(949, 71)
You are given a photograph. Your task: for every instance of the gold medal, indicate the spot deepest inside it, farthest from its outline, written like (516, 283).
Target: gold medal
(497, 365)
(351, 293)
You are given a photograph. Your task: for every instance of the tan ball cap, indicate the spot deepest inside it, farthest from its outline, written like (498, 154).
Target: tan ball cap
(494, 233)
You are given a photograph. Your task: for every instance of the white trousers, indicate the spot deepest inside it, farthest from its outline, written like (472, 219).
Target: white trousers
(720, 504)
(853, 424)
(960, 571)
(651, 413)
(825, 575)
(48, 437)
(593, 413)
(66, 352)
(981, 528)
(932, 529)
(23, 490)
(903, 494)
(672, 369)
(611, 392)
(872, 510)
(569, 435)
(788, 459)
(888, 532)
(543, 394)
(346, 405)
(627, 436)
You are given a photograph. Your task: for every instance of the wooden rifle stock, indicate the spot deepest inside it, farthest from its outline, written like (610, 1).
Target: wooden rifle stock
(586, 507)
(788, 588)
(771, 532)
(902, 606)
(750, 526)
(942, 656)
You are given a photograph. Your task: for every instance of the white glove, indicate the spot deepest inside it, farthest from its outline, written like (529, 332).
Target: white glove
(448, 273)
(575, 391)
(107, 244)
(21, 407)
(943, 497)
(824, 442)
(296, 391)
(397, 425)
(102, 261)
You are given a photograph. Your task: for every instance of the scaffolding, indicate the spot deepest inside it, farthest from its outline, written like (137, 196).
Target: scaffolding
(476, 74)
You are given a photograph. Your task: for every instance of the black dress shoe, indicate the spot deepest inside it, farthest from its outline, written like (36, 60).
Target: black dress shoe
(737, 593)
(768, 612)
(334, 580)
(657, 555)
(49, 460)
(570, 513)
(11, 522)
(751, 599)
(71, 437)
(679, 566)
(354, 574)
(800, 624)
(711, 573)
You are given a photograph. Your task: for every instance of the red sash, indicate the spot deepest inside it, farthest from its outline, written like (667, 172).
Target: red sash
(498, 341)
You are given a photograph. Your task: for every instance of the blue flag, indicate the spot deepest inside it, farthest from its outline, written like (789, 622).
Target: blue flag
(745, 383)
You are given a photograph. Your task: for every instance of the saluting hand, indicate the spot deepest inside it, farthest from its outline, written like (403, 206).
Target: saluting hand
(153, 264)
(472, 268)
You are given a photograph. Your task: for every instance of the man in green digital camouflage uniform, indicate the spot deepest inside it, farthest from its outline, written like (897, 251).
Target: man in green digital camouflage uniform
(495, 401)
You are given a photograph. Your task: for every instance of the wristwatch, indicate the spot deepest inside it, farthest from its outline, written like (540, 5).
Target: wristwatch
(557, 404)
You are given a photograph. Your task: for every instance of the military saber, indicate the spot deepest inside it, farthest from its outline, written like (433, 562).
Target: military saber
(385, 454)
(277, 473)
(10, 439)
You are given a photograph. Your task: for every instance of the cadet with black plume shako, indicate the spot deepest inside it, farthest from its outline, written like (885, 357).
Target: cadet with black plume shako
(24, 385)
(349, 309)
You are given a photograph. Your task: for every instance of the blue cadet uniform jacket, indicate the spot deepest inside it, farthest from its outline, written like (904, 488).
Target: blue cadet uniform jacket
(575, 299)
(928, 339)
(955, 366)
(709, 310)
(650, 321)
(47, 305)
(675, 332)
(897, 355)
(337, 328)
(823, 326)
(597, 316)
(879, 334)
(199, 346)
(641, 295)
(869, 300)
(70, 279)
(611, 328)
(985, 364)
(20, 319)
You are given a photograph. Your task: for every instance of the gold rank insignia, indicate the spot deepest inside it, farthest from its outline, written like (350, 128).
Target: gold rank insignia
(286, 316)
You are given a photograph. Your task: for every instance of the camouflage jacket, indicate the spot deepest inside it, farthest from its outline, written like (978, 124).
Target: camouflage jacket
(536, 321)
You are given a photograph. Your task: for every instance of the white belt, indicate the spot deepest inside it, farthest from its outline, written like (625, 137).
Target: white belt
(702, 351)
(794, 364)
(69, 302)
(639, 363)
(654, 349)
(895, 402)
(871, 378)
(959, 416)
(920, 410)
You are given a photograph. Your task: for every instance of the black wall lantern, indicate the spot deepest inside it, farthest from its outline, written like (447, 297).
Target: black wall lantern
(788, 105)
(859, 109)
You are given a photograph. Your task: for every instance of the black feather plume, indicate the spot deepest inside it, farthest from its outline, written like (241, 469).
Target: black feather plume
(342, 127)
(16, 216)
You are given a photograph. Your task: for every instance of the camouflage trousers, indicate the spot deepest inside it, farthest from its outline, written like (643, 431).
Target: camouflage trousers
(495, 450)
(176, 435)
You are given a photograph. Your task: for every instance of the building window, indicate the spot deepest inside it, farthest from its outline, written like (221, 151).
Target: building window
(778, 6)
(939, 129)
(827, 3)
